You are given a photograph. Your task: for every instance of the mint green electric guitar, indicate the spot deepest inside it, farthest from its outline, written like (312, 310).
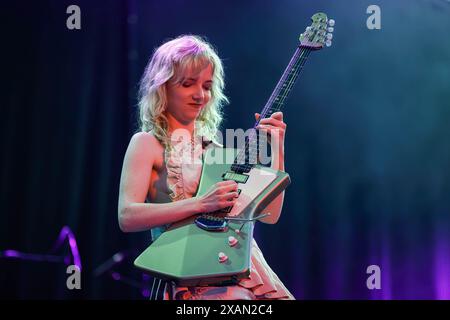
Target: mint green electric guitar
(215, 248)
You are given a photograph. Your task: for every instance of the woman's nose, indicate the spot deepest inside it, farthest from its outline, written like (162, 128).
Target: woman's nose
(199, 95)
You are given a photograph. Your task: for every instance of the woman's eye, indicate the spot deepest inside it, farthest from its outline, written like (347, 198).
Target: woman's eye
(188, 84)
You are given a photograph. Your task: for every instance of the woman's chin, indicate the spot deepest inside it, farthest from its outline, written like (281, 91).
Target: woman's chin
(196, 113)
(191, 117)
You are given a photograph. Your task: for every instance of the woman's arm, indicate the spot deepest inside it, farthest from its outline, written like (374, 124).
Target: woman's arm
(276, 206)
(134, 213)
(277, 128)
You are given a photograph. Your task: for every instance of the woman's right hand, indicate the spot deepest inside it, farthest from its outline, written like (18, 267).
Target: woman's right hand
(221, 195)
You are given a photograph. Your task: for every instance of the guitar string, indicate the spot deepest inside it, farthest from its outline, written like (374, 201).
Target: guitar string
(293, 73)
(301, 61)
(289, 79)
(292, 63)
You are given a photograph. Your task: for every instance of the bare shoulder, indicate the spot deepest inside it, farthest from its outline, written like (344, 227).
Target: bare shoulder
(145, 140)
(144, 137)
(139, 160)
(145, 144)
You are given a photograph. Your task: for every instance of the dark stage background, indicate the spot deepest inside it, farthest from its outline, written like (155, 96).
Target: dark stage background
(367, 144)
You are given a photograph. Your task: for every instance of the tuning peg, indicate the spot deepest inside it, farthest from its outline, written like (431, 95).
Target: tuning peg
(329, 36)
(331, 22)
(328, 43)
(330, 29)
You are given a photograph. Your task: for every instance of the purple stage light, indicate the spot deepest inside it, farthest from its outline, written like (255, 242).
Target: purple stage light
(11, 254)
(65, 233)
(145, 293)
(116, 276)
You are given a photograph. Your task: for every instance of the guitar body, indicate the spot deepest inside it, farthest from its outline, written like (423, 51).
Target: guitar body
(189, 255)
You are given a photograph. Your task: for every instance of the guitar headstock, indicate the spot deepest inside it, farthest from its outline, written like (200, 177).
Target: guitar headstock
(319, 33)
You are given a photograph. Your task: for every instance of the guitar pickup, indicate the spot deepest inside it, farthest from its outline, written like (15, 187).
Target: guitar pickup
(238, 177)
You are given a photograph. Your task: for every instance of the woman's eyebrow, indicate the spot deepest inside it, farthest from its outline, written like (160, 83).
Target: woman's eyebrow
(195, 79)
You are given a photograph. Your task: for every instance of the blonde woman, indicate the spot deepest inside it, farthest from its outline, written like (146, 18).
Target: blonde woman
(181, 100)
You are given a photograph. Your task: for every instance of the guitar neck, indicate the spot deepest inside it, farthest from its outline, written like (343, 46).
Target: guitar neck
(286, 83)
(276, 101)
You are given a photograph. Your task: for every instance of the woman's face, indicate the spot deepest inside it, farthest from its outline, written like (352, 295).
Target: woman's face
(185, 100)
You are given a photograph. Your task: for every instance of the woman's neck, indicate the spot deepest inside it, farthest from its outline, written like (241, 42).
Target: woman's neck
(174, 124)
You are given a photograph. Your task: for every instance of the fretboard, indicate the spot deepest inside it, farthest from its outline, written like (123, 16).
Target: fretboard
(247, 157)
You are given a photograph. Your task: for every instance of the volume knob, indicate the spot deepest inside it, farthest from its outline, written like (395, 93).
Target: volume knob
(232, 241)
(222, 257)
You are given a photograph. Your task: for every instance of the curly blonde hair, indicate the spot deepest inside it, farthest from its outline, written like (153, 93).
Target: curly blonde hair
(168, 61)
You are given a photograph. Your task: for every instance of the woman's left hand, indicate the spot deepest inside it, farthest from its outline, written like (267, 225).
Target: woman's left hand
(274, 126)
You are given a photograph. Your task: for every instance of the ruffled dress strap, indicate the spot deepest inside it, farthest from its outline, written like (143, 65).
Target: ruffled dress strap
(184, 161)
